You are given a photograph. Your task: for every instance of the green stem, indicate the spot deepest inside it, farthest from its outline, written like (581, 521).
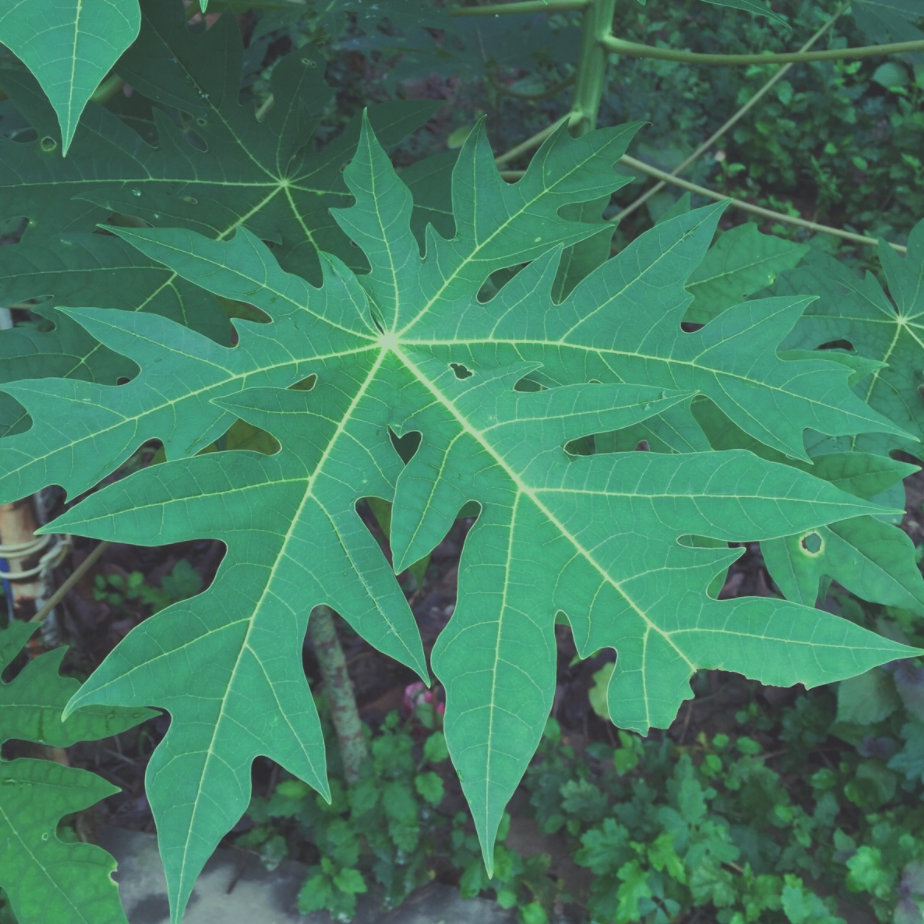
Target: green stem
(343, 710)
(736, 203)
(748, 207)
(525, 6)
(592, 63)
(637, 50)
(733, 120)
(532, 142)
(107, 89)
(264, 108)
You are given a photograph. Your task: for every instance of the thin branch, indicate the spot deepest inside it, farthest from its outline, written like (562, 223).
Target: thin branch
(71, 580)
(524, 6)
(532, 142)
(710, 141)
(736, 203)
(754, 209)
(637, 50)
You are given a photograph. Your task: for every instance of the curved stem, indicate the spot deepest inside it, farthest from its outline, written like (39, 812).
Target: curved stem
(737, 203)
(754, 209)
(532, 142)
(637, 50)
(733, 120)
(524, 6)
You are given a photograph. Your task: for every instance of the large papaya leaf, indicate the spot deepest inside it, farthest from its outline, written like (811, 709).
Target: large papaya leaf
(44, 878)
(497, 391)
(69, 46)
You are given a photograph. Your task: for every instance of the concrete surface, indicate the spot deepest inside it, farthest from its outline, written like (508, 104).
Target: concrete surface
(258, 896)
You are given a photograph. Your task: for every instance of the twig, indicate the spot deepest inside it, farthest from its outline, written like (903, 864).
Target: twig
(754, 209)
(71, 580)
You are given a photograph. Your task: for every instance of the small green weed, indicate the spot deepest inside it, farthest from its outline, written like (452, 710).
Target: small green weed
(133, 590)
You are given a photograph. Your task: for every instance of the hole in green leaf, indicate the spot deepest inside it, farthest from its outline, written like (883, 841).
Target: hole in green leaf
(812, 543)
(405, 445)
(306, 384)
(461, 371)
(243, 435)
(48, 144)
(195, 140)
(582, 446)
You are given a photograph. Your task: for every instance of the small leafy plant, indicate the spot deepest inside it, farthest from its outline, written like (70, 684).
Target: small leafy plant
(439, 341)
(384, 831)
(120, 590)
(392, 832)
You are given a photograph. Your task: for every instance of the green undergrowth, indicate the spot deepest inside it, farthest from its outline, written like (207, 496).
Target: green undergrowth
(811, 812)
(837, 141)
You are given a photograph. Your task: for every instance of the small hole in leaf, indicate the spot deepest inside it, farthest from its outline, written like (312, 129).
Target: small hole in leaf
(461, 371)
(582, 446)
(306, 384)
(195, 140)
(406, 444)
(812, 543)
(243, 435)
(48, 144)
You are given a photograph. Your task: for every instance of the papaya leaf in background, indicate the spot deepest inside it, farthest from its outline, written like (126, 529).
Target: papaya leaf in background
(497, 389)
(888, 329)
(46, 879)
(69, 46)
(870, 556)
(268, 178)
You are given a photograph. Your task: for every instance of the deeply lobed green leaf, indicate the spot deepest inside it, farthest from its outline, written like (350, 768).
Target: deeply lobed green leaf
(499, 389)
